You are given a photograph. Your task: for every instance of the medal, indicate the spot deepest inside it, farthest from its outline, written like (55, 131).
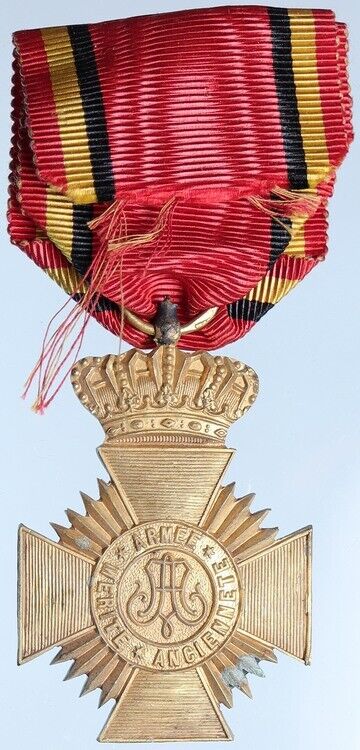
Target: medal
(167, 592)
(172, 174)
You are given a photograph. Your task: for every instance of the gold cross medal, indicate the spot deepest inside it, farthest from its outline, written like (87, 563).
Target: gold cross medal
(171, 173)
(167, 593)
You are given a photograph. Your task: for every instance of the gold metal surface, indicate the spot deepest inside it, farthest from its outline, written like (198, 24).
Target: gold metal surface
(193, 325)
(167, 593)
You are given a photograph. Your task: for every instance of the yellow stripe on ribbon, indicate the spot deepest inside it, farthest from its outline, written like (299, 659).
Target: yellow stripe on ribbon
(59, 222)
(296, 246)
(71, 119)
(271, 289)
(303, 51)
(68, 279)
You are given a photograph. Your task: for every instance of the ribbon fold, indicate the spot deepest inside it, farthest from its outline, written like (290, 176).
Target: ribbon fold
(217, 131)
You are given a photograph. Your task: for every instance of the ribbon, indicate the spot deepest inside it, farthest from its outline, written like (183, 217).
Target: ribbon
(215, 133)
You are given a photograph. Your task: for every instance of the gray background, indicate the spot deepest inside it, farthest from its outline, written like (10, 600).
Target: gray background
(297, 448)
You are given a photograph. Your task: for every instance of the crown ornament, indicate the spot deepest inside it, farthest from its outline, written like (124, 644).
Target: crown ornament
(166, 395)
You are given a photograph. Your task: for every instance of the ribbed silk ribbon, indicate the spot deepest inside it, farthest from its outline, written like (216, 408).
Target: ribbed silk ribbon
(227, 123)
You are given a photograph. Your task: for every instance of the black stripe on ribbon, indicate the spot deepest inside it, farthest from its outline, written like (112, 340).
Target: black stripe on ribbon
(286, 92)
(94, 112)
(280, 238)
(81, 254)
(81, 251)
(244, 309)
(103, 304)
(248, 310)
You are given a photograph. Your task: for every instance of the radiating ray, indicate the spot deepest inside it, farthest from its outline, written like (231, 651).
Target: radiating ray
(221, 692)
(251, 646)
(104, 521)
(248, 529)
(119, 679)
(233, 524)
(76, 645)
(99, 675)
(99, 512)
(260, 541)
(87, 662)
(222, 660)
(236, 648)
(245, 688)
(74, 540)
(223, 665)
(229, 666)
(222, 504)
(238, 514)
(91, 656)
(90, 528)
(230, 653)
(123, 514)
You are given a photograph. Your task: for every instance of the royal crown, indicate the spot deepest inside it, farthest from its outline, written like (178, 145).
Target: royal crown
(165, 396)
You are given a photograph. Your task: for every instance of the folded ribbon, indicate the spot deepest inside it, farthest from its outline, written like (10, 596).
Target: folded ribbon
(214, 134)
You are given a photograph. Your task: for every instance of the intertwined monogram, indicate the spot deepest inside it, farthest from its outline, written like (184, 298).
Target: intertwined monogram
(168, 596)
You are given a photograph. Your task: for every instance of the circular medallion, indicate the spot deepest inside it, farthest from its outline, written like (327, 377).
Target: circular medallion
(165, 596)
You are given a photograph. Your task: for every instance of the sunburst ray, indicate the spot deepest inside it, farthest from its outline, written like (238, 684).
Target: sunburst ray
(73, 540)
(100, 674)
(105, 519)
(233, 524)
(76, 645)
(239, 512)
(90, 528)
(92, 657)
(219, 508)
(248, 646)
(118, 681)
(100, 513)
(221, 692)
(262, 539)
(87, 662)
(223, 667)
(119, 507)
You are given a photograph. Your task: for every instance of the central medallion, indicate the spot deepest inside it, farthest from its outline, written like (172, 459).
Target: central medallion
(165, 595)
(170, 599)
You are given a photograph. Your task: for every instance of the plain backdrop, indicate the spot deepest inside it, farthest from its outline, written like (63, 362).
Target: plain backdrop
(297, 449)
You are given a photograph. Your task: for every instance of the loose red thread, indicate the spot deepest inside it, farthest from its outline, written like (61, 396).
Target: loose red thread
(64, 344)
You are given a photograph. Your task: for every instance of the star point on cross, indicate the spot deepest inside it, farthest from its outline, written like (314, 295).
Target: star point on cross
(208, 551)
